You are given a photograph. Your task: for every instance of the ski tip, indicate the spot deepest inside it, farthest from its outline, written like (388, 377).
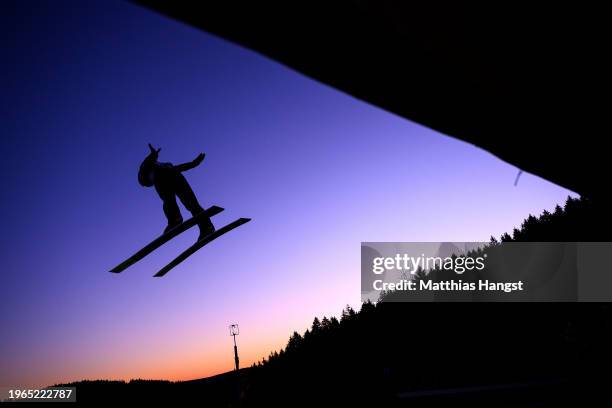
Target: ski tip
(214, 210)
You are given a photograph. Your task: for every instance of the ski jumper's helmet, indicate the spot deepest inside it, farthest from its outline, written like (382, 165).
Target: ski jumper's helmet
(145, 173)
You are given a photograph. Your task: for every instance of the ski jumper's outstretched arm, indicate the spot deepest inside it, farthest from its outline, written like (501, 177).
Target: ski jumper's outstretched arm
(190, 165)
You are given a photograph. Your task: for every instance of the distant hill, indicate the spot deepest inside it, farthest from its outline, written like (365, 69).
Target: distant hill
(218, 390)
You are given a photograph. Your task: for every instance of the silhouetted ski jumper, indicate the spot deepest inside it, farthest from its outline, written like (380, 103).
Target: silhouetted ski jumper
(170, 183)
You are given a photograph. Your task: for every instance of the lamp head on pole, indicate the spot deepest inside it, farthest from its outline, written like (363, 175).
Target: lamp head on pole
(234, 331)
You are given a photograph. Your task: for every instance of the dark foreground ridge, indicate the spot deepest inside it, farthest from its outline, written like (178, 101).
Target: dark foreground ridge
(421, 354)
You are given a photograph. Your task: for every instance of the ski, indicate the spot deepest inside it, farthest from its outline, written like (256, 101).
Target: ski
(199, 244)
(162, 239)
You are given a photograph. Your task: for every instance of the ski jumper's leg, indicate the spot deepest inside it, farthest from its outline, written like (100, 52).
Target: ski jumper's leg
(186, 195)
(171, 209)
(189, 200)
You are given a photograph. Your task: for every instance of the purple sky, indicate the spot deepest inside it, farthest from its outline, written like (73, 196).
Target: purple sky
(86, 86)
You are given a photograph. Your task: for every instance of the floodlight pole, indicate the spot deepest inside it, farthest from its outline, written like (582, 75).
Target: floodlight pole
(236, 360)
(234, 331)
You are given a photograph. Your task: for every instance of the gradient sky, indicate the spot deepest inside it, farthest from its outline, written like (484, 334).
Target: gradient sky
(86, 85)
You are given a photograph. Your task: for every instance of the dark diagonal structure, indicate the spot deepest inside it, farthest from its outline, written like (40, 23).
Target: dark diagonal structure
(527, 82)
